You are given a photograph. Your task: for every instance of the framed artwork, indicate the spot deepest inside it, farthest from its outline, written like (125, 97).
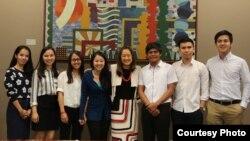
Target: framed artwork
(109, 25)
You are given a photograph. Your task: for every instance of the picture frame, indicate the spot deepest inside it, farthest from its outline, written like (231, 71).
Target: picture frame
(72, 25)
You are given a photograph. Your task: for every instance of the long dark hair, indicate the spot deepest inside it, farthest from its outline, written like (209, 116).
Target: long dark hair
(105, 75)
(28, 67)
(41, 66)
(70, 68)
(119, 69)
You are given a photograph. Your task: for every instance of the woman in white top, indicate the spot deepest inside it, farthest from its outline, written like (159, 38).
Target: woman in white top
(45, 111)
(69, 93)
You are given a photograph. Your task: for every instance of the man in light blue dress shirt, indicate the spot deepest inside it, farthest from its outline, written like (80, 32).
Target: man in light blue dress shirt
(229, 73)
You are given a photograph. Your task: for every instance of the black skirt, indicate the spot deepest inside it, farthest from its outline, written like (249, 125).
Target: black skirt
(48, 112)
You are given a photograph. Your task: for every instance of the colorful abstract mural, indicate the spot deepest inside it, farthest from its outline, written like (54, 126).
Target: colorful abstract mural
(108, 25)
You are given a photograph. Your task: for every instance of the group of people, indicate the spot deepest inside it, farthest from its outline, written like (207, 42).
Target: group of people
(102, 97)
(221, 89)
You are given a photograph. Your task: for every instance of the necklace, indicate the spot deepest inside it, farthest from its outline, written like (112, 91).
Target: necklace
(128, 79)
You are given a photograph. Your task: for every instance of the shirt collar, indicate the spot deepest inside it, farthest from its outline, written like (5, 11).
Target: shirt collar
(158, 65)
(191, 63)
(227, 57)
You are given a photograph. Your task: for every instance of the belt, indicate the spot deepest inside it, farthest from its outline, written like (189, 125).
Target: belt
(225, 102)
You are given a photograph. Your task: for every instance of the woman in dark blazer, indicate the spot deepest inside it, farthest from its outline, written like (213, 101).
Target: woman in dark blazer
(96, 91)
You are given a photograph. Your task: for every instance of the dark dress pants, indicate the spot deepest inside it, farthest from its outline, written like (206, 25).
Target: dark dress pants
(156, 126)
(181, 118)
(98, 130)
(71, 130)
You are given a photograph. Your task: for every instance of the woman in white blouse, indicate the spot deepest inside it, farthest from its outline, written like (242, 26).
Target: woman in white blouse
(69, 94)
(45, 111)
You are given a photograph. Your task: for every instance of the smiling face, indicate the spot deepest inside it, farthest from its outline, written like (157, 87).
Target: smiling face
(98, 63)
(75, 62)
(223, 45)
(49, 58)
(126, 58)
(22, 57)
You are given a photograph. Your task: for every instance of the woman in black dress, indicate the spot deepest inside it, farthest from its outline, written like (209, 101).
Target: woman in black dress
(18, 85)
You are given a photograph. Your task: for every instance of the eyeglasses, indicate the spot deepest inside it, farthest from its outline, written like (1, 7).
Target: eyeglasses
(76, 60)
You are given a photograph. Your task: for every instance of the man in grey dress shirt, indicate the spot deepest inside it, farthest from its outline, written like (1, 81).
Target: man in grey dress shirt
(229, 73)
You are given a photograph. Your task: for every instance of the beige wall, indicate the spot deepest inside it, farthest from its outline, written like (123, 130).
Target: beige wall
(215, 15)
(23, 19)
(20, 19)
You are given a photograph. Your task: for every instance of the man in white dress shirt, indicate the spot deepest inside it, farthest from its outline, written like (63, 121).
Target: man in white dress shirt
(191, 92)
(156, 86)
(229, 73)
